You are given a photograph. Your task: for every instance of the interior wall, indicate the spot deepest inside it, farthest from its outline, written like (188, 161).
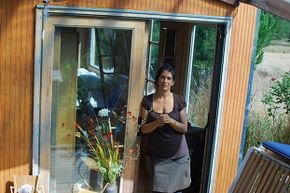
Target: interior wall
(17, 24)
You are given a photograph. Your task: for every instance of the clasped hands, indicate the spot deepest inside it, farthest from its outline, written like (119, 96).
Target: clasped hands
(165, 119)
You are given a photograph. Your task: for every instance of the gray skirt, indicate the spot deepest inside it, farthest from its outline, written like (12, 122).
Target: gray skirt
(170, 175)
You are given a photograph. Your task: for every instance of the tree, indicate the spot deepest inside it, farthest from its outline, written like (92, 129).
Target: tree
(271, 28)
(267, 32)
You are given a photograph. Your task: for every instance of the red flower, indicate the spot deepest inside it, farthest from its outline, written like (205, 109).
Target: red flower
(106, 137)
(77, 125)
(91, 132)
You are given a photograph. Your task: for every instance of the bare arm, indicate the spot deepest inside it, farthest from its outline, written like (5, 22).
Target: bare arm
(148, 127)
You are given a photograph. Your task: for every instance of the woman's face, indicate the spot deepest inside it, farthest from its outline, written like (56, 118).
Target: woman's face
(165, 81)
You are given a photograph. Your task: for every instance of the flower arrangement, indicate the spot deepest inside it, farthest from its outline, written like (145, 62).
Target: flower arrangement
(98, 140)
(101, 147)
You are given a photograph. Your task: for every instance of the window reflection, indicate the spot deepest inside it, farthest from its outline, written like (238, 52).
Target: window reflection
(153, 49)
(91, 70)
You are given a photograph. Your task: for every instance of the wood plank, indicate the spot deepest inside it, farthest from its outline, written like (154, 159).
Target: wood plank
(8, 146)
(236, 90)
(3, 105)
(28, 83)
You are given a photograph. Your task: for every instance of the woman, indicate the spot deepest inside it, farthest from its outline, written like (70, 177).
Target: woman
(165, 126)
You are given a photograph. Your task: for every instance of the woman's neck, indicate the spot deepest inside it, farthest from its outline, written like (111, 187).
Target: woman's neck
(161, 94)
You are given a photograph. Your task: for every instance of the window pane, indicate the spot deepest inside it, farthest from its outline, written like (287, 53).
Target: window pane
(152, 65)
(201, 80)
(113, 47)
(80, 91)
(156, 31)
(153, 61)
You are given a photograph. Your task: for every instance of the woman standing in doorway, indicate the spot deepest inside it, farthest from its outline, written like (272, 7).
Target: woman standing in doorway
(165, 127)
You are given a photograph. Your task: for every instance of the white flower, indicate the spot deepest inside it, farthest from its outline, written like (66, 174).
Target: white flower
(103, 113)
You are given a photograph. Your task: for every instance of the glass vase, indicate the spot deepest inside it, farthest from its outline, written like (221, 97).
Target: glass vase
(111, 188)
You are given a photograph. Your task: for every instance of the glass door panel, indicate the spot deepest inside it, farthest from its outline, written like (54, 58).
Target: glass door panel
(80, 91)
(93, 76)
(201, 75)
(199, 95)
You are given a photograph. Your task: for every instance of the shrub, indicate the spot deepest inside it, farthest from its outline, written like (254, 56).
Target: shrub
(275, 124)
(278, 99)
(263, 128)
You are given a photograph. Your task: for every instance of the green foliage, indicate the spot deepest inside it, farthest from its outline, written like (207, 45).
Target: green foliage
(264, 128)
(205, 43)
(283, 30)
(204, 57)
(271, 28)
(275, 125)
(101, 147)
(156, 30)
(267, 32)
(278, 99)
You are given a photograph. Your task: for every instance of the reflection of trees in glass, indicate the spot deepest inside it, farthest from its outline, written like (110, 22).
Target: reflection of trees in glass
(154, 48)
(156, 31)
(112, 53)
(113, 48)
(201, 80)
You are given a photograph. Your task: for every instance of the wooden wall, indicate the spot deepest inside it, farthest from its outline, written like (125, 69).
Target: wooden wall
(241, 46)
(16, 88)
(17, 71)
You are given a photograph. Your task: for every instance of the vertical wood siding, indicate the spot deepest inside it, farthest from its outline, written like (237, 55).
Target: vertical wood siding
(16, 83)
(17, 72)
(241, 46)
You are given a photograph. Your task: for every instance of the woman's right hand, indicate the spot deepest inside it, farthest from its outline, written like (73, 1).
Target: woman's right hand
(161, 120)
